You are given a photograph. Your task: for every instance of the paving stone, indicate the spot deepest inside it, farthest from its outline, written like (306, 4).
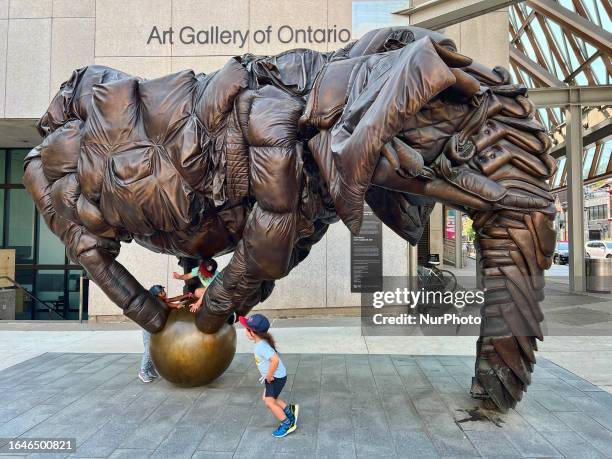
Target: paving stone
(572, 445)
(582, 385)
(226, 380)
(308, 373)
(256, 442)
(24, 422)
(400, 360)
(413, 443)
(530, 443)
(294, 455)
(452, 444)
(290, 361)
(536, 413)
(360, 376)
(245, 397)
(562, 388)
(154, 428)
(350, 406)
(225, 430)
(130, 454)
(208, 455)
(492, 444)
(590, 430)
(447, 436)
(368, 414)
(334, 382)
(446, 385)
(413, 377)
(388, 384)
(431, 366)
(382, 365)
(428, 401)
(241, 363)
(333, 364)
(180, 442)
(603, 399)
(554, 402)
(302, 441)
(103, 442)
(374, 442)
(337, 443)
(401, 412)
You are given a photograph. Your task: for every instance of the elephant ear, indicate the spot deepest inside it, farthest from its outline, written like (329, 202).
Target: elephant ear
(384, 91)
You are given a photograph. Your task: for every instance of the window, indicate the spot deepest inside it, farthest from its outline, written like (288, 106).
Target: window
(599, 212)
(41, 264)
(560, 169)
(20, 225)
(588, 160)
(604, 159)
(51, 250)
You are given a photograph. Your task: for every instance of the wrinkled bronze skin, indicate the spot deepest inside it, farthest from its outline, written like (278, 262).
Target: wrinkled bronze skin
(260, 157)
(188, 357)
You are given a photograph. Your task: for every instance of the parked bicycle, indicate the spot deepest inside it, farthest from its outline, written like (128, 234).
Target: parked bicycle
(432, 278)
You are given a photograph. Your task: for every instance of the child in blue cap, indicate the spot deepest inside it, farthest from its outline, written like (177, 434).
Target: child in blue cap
(147, 369)
(272, 371)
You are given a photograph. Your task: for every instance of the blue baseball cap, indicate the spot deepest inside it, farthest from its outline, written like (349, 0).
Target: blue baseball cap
(156, 290)
(257, 323)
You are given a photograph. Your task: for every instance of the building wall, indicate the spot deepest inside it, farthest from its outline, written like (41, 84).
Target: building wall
(42, 41)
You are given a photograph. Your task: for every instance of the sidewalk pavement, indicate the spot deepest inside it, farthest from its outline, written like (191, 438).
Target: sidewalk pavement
(351, 406)
(587, 357)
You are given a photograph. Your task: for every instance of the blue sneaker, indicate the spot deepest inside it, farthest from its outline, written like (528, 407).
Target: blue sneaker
(285, 428)
(144, 377)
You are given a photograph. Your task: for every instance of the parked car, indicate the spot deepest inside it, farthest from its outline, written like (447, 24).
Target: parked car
(561, 256)
(599, 249)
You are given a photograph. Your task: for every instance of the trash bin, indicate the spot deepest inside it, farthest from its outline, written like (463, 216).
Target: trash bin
(599, 275)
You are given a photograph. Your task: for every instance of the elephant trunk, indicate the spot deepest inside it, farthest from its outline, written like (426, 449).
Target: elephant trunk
(514, 250)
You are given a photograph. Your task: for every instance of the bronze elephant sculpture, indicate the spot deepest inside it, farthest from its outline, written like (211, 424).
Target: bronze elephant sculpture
(260, 157)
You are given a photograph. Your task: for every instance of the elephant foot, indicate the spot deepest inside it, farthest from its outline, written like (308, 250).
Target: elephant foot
(211, 323)
(503, 372)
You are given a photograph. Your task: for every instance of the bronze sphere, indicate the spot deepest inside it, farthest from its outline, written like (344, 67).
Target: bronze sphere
(187, 357)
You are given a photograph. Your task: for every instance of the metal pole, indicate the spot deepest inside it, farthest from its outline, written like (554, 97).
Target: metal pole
(412, 267)
(575, 202)
(81, 299)
(458, 240)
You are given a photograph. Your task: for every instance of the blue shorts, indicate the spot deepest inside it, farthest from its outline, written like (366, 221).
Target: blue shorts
(274, 388)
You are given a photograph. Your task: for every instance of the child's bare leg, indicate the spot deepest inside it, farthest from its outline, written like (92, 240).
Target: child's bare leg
(199, 295)
(280, 402)
(275, 409)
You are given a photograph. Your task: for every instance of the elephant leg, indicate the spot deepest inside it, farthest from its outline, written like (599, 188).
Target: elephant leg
(274, 225)
(95, 254)
(515, 249)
